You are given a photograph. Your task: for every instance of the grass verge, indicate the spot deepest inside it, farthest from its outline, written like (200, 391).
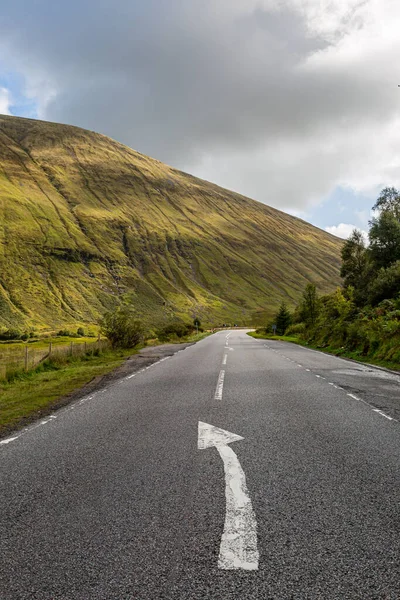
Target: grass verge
(356, 355)
(29, 395)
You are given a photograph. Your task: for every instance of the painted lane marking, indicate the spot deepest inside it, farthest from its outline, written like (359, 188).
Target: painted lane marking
(238, 548)
(220, 386)
(224, 359)
(338, 387)
(380, 412)
(8, 440)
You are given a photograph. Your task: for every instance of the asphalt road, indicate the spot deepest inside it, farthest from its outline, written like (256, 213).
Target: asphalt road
(112, 499)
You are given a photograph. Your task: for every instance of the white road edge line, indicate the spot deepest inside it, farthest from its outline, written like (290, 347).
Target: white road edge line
(8, 440)
(220, 386)
(380, 412)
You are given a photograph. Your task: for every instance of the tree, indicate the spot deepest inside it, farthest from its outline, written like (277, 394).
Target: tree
(356, 267)
(385, 285)
(389, 200)
(122, 328)
(310, 305)
(283, 319)
(354, 259)
(384, 237)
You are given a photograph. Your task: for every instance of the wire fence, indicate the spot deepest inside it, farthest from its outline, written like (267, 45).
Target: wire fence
(25, 358)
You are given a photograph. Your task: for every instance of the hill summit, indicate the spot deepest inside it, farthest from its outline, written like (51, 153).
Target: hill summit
(86, 222)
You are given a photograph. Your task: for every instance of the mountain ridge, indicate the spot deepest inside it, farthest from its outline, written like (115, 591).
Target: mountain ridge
(98, 223)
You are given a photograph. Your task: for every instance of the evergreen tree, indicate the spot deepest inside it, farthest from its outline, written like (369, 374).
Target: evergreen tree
(283, 319)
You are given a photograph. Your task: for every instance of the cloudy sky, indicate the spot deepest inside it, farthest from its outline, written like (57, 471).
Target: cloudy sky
(292, 102)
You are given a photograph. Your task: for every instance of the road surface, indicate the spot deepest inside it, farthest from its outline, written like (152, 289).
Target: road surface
(235, 469)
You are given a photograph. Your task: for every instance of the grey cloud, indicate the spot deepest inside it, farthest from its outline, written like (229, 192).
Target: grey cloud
(184, 80)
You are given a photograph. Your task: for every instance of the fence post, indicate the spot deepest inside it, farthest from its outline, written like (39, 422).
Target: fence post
(85, 347)
(50, 349)
(26, 357)
(71, 349)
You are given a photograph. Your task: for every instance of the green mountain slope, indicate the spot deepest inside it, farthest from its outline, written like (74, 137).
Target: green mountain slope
(86, 222)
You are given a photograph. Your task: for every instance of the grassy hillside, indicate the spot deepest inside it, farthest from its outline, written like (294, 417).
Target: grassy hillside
(86, 222)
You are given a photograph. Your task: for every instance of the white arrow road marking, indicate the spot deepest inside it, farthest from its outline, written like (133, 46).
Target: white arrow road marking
(238, 549)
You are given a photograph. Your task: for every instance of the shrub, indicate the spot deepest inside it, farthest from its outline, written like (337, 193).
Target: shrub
(80, 332)
(172, 330)
(64, 333)
(122, 328)
(296, 329)
(10, 334)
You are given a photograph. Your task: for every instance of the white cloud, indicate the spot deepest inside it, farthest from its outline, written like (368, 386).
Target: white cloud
(5, 101)
(344, 230)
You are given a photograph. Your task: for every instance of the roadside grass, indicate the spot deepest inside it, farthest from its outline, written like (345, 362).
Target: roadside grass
(16, 356)
(196, 337)
(356, 355)
(43, 342)
(31, 394)
(267, 336)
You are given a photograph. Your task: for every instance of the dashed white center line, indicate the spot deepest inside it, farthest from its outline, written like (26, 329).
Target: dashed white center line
(224, 359)
(220, 386)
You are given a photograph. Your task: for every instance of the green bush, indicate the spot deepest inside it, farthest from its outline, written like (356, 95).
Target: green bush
(296, 329)
(10, 334)
(80, 332)
(122, 328)
(64, 333)
(174, 330)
